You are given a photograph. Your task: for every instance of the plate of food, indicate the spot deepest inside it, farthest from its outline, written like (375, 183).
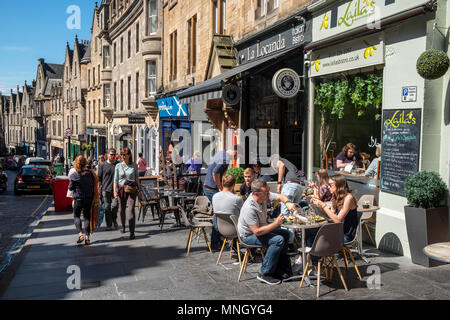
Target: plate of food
(319, 219)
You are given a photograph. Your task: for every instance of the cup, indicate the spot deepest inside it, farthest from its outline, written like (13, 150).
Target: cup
(366, 204)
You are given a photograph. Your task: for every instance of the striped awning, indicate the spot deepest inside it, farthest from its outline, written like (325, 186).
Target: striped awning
(202, 97)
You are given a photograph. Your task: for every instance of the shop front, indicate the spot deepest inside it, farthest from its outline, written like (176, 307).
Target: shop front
(173, 116)
(262, 99)
(359, 69)
(57, 148)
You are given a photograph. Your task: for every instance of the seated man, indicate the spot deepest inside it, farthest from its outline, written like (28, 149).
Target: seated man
(254, 230)
(246, 188)
(227, 201)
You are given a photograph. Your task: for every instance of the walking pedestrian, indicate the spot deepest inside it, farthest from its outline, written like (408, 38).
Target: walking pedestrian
(106, 171)
(142, 165)
(82, 183)
(125, 189)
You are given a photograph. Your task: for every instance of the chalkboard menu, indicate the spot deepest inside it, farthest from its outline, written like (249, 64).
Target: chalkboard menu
(148, 182)
(400, 148)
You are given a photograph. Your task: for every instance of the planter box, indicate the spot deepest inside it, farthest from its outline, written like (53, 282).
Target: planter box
(424, 227)
(237, 187)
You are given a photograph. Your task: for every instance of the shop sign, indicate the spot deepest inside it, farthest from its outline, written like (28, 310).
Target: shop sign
(356, 13)
(101, 132)
(136, 120)
(285, 39)
(171, 107)
(355, 54)
(126, 129)
(286, 83)
(90, 131)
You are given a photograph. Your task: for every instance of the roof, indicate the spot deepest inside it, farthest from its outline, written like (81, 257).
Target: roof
(50, 84)
(54, 71)
(87, 54)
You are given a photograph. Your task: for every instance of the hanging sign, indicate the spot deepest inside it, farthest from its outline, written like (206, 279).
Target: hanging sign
(231, 94)
(286, 83)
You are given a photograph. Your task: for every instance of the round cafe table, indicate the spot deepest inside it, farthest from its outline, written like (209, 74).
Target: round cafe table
(438, 251)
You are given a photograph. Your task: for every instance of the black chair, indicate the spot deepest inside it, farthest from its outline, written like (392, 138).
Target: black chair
(148, 198)
(165, 209)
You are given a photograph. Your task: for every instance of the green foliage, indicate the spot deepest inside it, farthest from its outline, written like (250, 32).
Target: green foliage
(238, 173)
(432, 64)
(363, 92)
(425, 189)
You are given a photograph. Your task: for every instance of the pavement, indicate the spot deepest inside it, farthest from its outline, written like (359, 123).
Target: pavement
(154, 266)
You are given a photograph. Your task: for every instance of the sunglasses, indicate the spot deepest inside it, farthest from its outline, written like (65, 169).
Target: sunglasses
(125, 154)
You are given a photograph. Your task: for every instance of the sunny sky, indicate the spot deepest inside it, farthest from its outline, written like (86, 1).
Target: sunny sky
(37, 29)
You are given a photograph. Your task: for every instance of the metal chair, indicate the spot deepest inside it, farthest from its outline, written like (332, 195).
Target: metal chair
(165, 209)
(328, 241)
(148, 199)
(248, 247)
(194, 228)
(228, 231)
(367, 215)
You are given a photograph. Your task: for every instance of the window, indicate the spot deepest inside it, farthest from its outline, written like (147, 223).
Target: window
(59, 128)
(137, 37)
(76, 123)
(261, 9)
(219, 16)
(129, 93)
(107, 98)
(121, 50)
(106, 57)
(272, 5)
(89, 112)
(76, 94)
(129, 44)
(121, 95)
(115, 54)
(173, 56)
(115, 96)
(93, 76)
(89, 78)
(98, 72)
(54, 127)
(75, 70)
(98, 110)
(151, 78)
(152, 17)
(192, 44)
(137, 90)
(93, 111)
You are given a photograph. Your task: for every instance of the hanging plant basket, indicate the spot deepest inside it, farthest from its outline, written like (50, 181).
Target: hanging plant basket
(432, 64)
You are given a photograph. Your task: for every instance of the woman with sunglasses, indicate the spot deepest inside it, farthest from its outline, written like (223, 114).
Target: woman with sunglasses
(125, 189)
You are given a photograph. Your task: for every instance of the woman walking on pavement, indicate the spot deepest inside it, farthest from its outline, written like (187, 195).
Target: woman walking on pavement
(85, 194)
(125, 189)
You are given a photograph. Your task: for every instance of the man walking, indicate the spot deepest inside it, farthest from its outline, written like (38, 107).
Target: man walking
(106, 172)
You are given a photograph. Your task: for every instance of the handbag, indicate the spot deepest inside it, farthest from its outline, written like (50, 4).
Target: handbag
(129, 185)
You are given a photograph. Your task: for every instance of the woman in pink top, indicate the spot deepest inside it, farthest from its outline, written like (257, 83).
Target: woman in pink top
(142, 165)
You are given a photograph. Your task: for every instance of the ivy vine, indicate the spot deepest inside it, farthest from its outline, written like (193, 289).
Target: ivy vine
(363, 92)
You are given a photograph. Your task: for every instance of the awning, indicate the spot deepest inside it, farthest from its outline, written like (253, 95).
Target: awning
(212, 88)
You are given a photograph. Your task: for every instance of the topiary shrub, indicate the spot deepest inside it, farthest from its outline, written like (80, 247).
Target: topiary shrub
(238, 173)
(425, 190)
(432, 64)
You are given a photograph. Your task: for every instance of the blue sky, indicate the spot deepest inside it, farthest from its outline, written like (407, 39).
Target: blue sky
(33, 29)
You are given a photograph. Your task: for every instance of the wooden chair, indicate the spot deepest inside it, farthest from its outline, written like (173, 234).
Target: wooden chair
(195, 228)
(329, 241)
(228, 231)
(247, 247)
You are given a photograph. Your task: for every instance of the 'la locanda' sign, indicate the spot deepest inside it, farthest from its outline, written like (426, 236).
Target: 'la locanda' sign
(284, 38)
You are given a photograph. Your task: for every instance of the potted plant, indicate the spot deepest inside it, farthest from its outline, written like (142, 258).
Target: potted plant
(432, 64)
(238, 173)
(426, 215)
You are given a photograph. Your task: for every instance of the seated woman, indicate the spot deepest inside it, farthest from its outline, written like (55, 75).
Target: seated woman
(344, 210)
(346, 157)
(373, 167)
(322, 187)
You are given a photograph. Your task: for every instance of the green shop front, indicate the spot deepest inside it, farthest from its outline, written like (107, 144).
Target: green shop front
(364, 89)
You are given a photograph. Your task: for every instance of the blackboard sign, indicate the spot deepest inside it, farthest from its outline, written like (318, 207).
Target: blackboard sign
(400, 148)
(148, 182)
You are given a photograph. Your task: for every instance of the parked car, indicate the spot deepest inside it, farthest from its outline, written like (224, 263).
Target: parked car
(3, 179)
(33, 178)
(28, 160)
(42, 162)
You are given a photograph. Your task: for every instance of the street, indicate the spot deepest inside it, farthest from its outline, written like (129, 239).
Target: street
(16, 214)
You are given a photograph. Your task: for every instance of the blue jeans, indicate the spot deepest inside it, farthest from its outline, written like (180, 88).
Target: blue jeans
(294, 192)
(276, 243)
(215, 235)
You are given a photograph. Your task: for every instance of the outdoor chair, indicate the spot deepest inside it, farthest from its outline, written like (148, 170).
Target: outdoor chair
(228, 231)
(148, 199)
(367, 215)
(165, 209)
(346, 248)
(328, 241)
(202, 209)
(248, 247)
(195, 227)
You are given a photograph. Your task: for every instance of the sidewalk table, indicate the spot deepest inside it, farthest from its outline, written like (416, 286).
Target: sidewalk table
(438, 251)
(303, 228)
(361, 209)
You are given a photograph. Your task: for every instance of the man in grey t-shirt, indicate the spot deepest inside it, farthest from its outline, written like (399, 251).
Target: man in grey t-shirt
(254, 229)
(227, 201)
